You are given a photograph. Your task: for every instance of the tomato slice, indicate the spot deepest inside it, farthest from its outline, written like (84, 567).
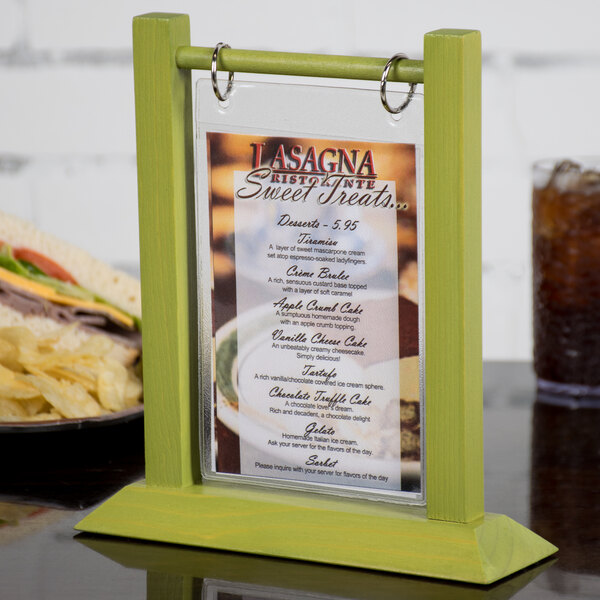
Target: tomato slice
(45, 264)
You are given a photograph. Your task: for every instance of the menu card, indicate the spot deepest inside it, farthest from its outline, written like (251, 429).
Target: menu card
(315, 312)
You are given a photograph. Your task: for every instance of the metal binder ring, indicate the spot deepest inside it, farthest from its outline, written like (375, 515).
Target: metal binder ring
(383, 85)
(213, 74)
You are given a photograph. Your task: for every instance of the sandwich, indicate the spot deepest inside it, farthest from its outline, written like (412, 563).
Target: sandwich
(70, 327)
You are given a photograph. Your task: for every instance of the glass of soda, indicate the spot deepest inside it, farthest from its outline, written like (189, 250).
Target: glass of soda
(566, 276)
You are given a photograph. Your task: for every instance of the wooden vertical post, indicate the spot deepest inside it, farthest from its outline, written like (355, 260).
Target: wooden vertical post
(454, 411)
(163, 108)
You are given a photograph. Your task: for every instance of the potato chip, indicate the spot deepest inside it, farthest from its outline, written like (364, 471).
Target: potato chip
(11, 410)
(36, 405)
(82, 375)
(9, 355)
(69, 399)
(40, 379)
(17, 390)
(52, 340)
(20, 337)
(51, 415)
(97, 345)
(112, 385)
(11, 388)
(133, 390)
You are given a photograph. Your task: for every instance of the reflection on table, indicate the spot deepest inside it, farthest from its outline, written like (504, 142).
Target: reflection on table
(565, 490)
(542, 469)
(179, 572)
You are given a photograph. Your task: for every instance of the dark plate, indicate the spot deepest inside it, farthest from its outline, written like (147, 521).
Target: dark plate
(73, 463)
(123, 416)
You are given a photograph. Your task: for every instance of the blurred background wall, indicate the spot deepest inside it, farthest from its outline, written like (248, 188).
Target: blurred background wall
(67, 134)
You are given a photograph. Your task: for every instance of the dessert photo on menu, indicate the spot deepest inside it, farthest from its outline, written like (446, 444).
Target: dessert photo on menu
(314, 266)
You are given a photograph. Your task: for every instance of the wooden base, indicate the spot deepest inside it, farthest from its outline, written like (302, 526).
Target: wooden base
(301, 526)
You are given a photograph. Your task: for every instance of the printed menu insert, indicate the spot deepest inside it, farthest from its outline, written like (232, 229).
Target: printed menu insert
(314, 273)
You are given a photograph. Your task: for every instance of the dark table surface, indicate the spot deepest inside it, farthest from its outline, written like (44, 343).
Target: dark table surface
(542, 465)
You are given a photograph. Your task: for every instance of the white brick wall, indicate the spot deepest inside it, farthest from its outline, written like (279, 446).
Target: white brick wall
(67, 141)
(51, 109)
(99, 194)
(12, 25)
(76, 25)
(557, 112)
(16, 180)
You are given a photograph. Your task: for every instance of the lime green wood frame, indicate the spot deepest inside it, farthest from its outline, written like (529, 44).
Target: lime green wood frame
(451, 537)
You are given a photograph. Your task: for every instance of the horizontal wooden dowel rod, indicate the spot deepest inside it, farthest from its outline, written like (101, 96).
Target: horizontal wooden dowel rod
(306, 65)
